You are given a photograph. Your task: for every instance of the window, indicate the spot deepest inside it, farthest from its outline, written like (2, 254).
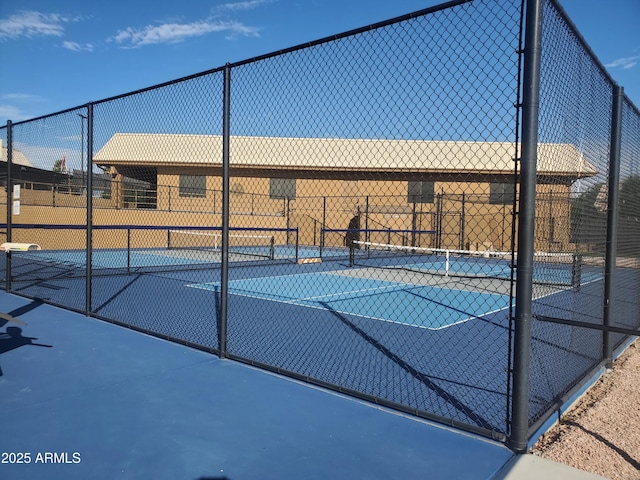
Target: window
(236, 189)
(193, 186)
(501, 193)
(420, 192)
(282, 188)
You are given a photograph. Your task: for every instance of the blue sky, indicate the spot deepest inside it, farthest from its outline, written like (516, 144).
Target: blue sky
(58, 55)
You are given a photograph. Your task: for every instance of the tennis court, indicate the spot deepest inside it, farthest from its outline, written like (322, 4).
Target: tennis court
(133, 406)
(373, 299)
(376, 316)
(373, 290)
(413, 287)
(550, 268)
(436, 322)
(139, 249)
(373, 322)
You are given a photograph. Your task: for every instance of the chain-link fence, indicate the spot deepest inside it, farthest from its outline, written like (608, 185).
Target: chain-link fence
(626, 290)
(347, 213)
(577, 108)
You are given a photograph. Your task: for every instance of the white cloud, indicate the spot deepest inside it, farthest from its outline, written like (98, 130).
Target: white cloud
(77, 47)
(13, 106)
(178, 32)
(21, 97)
(624, 63)
(34, 24)
(9, 112)
(245, 5)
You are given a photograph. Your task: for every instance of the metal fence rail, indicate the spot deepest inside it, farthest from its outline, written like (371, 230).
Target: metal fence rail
(437, 213)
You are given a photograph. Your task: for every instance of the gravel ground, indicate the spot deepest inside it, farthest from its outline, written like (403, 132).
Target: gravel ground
(601, 433)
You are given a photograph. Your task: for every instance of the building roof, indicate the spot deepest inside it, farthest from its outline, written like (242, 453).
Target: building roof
(330, 154)
(17, 157)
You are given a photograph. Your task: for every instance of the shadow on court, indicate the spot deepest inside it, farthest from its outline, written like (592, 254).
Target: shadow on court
(12, 337)
(227, 420)
(424, 379)
(10, 316)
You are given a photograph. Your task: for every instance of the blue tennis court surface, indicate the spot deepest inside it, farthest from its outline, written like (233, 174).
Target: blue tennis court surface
(158, 257)
(115, 258)
(434, 307)
(562, 273)
(113, 404)
(552, 274)
(493, 269)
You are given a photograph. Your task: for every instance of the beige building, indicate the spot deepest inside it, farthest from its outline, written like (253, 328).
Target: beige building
(17, 157)
(461, 192)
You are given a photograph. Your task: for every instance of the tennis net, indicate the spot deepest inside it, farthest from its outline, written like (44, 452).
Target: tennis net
(128, 249)
(348, 238)
(549, 268)
(255, 245)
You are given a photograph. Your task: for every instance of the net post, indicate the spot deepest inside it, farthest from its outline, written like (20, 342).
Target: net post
(321, 240)
(272, 247)
(612, 223)
(9, 202)
(447, 263)
(352, 254)
(168, 239)
(576, 270)
(297, 244)
(521, 374)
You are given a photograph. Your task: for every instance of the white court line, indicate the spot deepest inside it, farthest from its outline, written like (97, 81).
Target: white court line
(299, 301)
(316, 307)
(476, 317)
(394, 285)
(332, 273)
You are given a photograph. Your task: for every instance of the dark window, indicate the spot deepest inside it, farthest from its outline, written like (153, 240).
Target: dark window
(501, 193)
(193, 186)
(282, 188)
(420, 192)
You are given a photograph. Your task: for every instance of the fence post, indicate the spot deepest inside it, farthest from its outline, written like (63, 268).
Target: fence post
(519, 434)
(551, 227)
(324, 212)
(367, 236)
(9, 201)
(89, 252)
(414, 224)
(462, 220)
(287, 207)
(612, 221)
(224, 267)
(438, 221)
